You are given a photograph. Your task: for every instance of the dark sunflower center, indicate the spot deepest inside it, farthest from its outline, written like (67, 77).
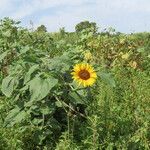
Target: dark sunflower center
(84, 74)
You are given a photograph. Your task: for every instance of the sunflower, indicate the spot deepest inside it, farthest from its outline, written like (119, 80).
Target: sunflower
(84, 74)
(125, 56)
(87, 56)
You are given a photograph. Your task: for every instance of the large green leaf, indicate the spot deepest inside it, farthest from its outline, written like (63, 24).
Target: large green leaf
(19, 117)
(16, 115)
(11, 115)
(107, 77)
(61, 63)
(35, 87)
(46, 86)
(29, 73)
(8, 85)
(40, 88)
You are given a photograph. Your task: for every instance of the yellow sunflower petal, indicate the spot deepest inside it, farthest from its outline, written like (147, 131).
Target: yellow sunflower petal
(76, 68)
(84, 74)
(93, 75)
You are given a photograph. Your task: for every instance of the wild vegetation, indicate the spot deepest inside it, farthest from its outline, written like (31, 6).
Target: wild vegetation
(43, 108)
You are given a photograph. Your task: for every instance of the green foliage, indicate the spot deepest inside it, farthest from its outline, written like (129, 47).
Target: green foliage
(42, 108)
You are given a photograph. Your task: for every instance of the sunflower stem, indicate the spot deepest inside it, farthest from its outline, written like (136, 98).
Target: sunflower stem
(89, 94)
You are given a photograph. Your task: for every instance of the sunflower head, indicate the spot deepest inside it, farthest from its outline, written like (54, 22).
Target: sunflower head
(84, 74)
(125, 56)
(87, 56)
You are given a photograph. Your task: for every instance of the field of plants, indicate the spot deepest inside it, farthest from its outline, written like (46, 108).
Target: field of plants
(84, 90)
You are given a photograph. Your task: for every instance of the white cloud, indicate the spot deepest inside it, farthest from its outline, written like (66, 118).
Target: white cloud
(29, 7)
(121, 14)
(128, 5)
(68, 18)
(5, 7)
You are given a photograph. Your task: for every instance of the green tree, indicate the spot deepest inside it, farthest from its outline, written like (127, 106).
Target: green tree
(41, 28)
(86, 24)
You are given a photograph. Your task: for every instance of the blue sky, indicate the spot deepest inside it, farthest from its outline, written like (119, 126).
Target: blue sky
(123, 15)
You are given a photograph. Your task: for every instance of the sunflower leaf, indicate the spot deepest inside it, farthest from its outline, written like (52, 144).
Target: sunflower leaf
(107, 77)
